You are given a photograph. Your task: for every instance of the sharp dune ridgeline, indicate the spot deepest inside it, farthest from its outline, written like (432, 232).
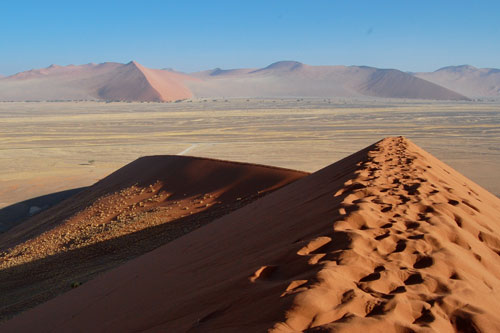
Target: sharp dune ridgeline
(389, 239)
(134, 82)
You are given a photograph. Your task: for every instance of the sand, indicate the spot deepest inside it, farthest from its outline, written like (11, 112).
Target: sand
(389, 239)
(134, 210)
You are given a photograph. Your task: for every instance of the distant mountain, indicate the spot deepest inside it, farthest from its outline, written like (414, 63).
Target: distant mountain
(222, 72)
(106, 81)
(281, 66)
(134, 82)
(294, 79)
(466, 80)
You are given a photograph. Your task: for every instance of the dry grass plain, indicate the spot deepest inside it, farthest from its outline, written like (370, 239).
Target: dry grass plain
(50, 147)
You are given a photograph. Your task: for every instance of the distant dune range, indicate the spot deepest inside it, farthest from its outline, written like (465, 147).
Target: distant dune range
(389, 239)
(290, 78)
(134, 82)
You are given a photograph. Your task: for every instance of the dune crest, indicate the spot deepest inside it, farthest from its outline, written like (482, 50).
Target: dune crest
(158, 85)
(139, 207)
(389, 239)
(416, 247)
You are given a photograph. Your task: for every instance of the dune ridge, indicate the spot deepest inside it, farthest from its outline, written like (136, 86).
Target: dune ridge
(141, 206)
(389, 239)
(415, 249)
(146, 85)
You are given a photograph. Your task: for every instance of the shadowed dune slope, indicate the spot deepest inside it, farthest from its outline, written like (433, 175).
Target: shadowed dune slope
(143, 205)
(396, 84)
(15, 214)
(389, 239)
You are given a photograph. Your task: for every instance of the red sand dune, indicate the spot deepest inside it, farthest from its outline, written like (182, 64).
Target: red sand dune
(389, 239)
(106, 81)
(135, 82)
(134, 210)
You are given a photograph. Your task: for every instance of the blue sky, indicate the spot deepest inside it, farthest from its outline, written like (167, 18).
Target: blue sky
(196, 35)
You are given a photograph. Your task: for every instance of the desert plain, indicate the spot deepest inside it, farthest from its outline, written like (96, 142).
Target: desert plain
(48, 147)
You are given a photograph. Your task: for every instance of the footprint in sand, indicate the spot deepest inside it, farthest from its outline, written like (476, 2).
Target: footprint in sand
(423, 262)
(375, 309)
(380, 237)
(425, 318)
(399, 290)
(400, 246)
(415, 278)
(263, 272)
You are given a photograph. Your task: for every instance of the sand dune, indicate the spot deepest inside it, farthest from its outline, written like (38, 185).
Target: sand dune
(106, 81)
(467, 80)
(134, 210)
(396, 84)
(291, 78)
(389, 239)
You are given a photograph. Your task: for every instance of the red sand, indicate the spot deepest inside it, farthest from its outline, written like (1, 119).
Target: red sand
(387, 240)
(145, 204)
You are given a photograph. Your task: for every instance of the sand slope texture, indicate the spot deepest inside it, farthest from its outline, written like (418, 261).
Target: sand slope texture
(134, 210)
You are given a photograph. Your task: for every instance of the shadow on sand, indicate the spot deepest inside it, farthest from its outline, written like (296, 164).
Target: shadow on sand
(17, 213)
(27, 285)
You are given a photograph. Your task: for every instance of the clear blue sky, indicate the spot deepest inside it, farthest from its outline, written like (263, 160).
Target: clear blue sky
(196, 35)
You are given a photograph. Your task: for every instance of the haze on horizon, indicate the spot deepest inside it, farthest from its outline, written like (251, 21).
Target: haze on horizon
(200, 35)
